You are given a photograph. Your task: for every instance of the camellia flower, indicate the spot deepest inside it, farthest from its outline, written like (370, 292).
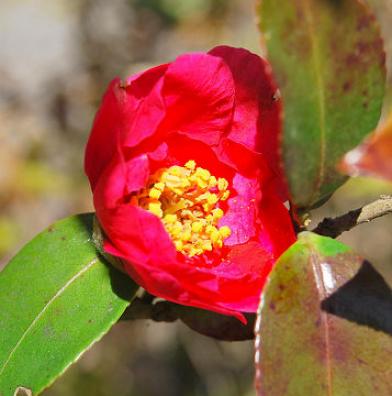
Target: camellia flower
(182, 161)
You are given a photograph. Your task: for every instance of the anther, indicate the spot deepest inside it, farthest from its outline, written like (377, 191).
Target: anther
(186, 199)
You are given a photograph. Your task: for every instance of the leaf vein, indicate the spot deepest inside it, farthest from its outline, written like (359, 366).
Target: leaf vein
(315, 259)
(315, 58)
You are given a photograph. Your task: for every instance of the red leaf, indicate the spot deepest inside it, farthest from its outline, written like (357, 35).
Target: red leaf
(373, 157)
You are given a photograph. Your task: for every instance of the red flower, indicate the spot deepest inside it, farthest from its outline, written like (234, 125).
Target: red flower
(182, 162)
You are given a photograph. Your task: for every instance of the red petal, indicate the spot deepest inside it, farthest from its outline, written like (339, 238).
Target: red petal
(126, 113)
(136, 233)
(199, 95)
(242, 276)
(119, 179)
(217, 109)
(242, 211)
(257, 115)
(276, 232)
(149, 107)
(244, 272)
(182, 149)
(105, 132)
(139, 237)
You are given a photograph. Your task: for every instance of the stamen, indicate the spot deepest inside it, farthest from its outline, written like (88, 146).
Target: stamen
(186, 198)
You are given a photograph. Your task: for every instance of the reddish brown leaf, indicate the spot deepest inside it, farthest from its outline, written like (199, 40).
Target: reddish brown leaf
(373, 157)
(329, 62)
(324, 324)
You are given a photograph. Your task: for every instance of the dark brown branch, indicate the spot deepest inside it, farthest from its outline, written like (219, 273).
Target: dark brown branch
(333, 227)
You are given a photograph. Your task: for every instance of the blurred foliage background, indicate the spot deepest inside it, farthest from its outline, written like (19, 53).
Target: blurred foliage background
(56, 60)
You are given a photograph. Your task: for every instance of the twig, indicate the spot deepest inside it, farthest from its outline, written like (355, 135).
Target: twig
(336, 226)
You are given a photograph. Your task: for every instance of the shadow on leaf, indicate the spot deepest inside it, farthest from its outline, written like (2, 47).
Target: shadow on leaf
(122, 284)
(221, 327)
(366, 299)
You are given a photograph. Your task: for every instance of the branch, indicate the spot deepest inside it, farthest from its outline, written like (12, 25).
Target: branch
(333, 227)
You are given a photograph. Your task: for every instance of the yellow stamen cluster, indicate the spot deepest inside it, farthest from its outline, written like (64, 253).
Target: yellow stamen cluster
(186, 198)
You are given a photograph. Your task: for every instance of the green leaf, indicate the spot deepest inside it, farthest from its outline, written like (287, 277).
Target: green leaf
(57, 297)
(383, 11)
(324, 324)
(329, 62)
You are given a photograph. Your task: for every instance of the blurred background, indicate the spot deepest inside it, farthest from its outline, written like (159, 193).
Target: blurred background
(56, 58)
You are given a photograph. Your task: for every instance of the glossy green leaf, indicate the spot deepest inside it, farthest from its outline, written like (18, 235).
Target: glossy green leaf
(324, 326)
(328, 58)
(57, 297)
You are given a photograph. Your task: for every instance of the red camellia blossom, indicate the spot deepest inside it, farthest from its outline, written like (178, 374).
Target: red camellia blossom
(182, 162)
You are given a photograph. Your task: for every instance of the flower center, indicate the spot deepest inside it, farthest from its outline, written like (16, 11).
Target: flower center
(187, 199)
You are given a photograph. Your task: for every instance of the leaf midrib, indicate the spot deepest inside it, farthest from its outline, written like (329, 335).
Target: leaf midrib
(315, 259)
(315, 59)
(45, 308)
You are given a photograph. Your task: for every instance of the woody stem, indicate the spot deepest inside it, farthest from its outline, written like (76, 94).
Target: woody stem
(333, 227)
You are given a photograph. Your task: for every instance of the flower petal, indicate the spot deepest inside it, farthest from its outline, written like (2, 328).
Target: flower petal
(135, 231)
(219, 110)
(138, 237)
(242, 210)
(242, 276)
(276, 232)
(149, 108)
(199, 95)
(257, 120)
(127, 113)
(120, 178)
(182, 149)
